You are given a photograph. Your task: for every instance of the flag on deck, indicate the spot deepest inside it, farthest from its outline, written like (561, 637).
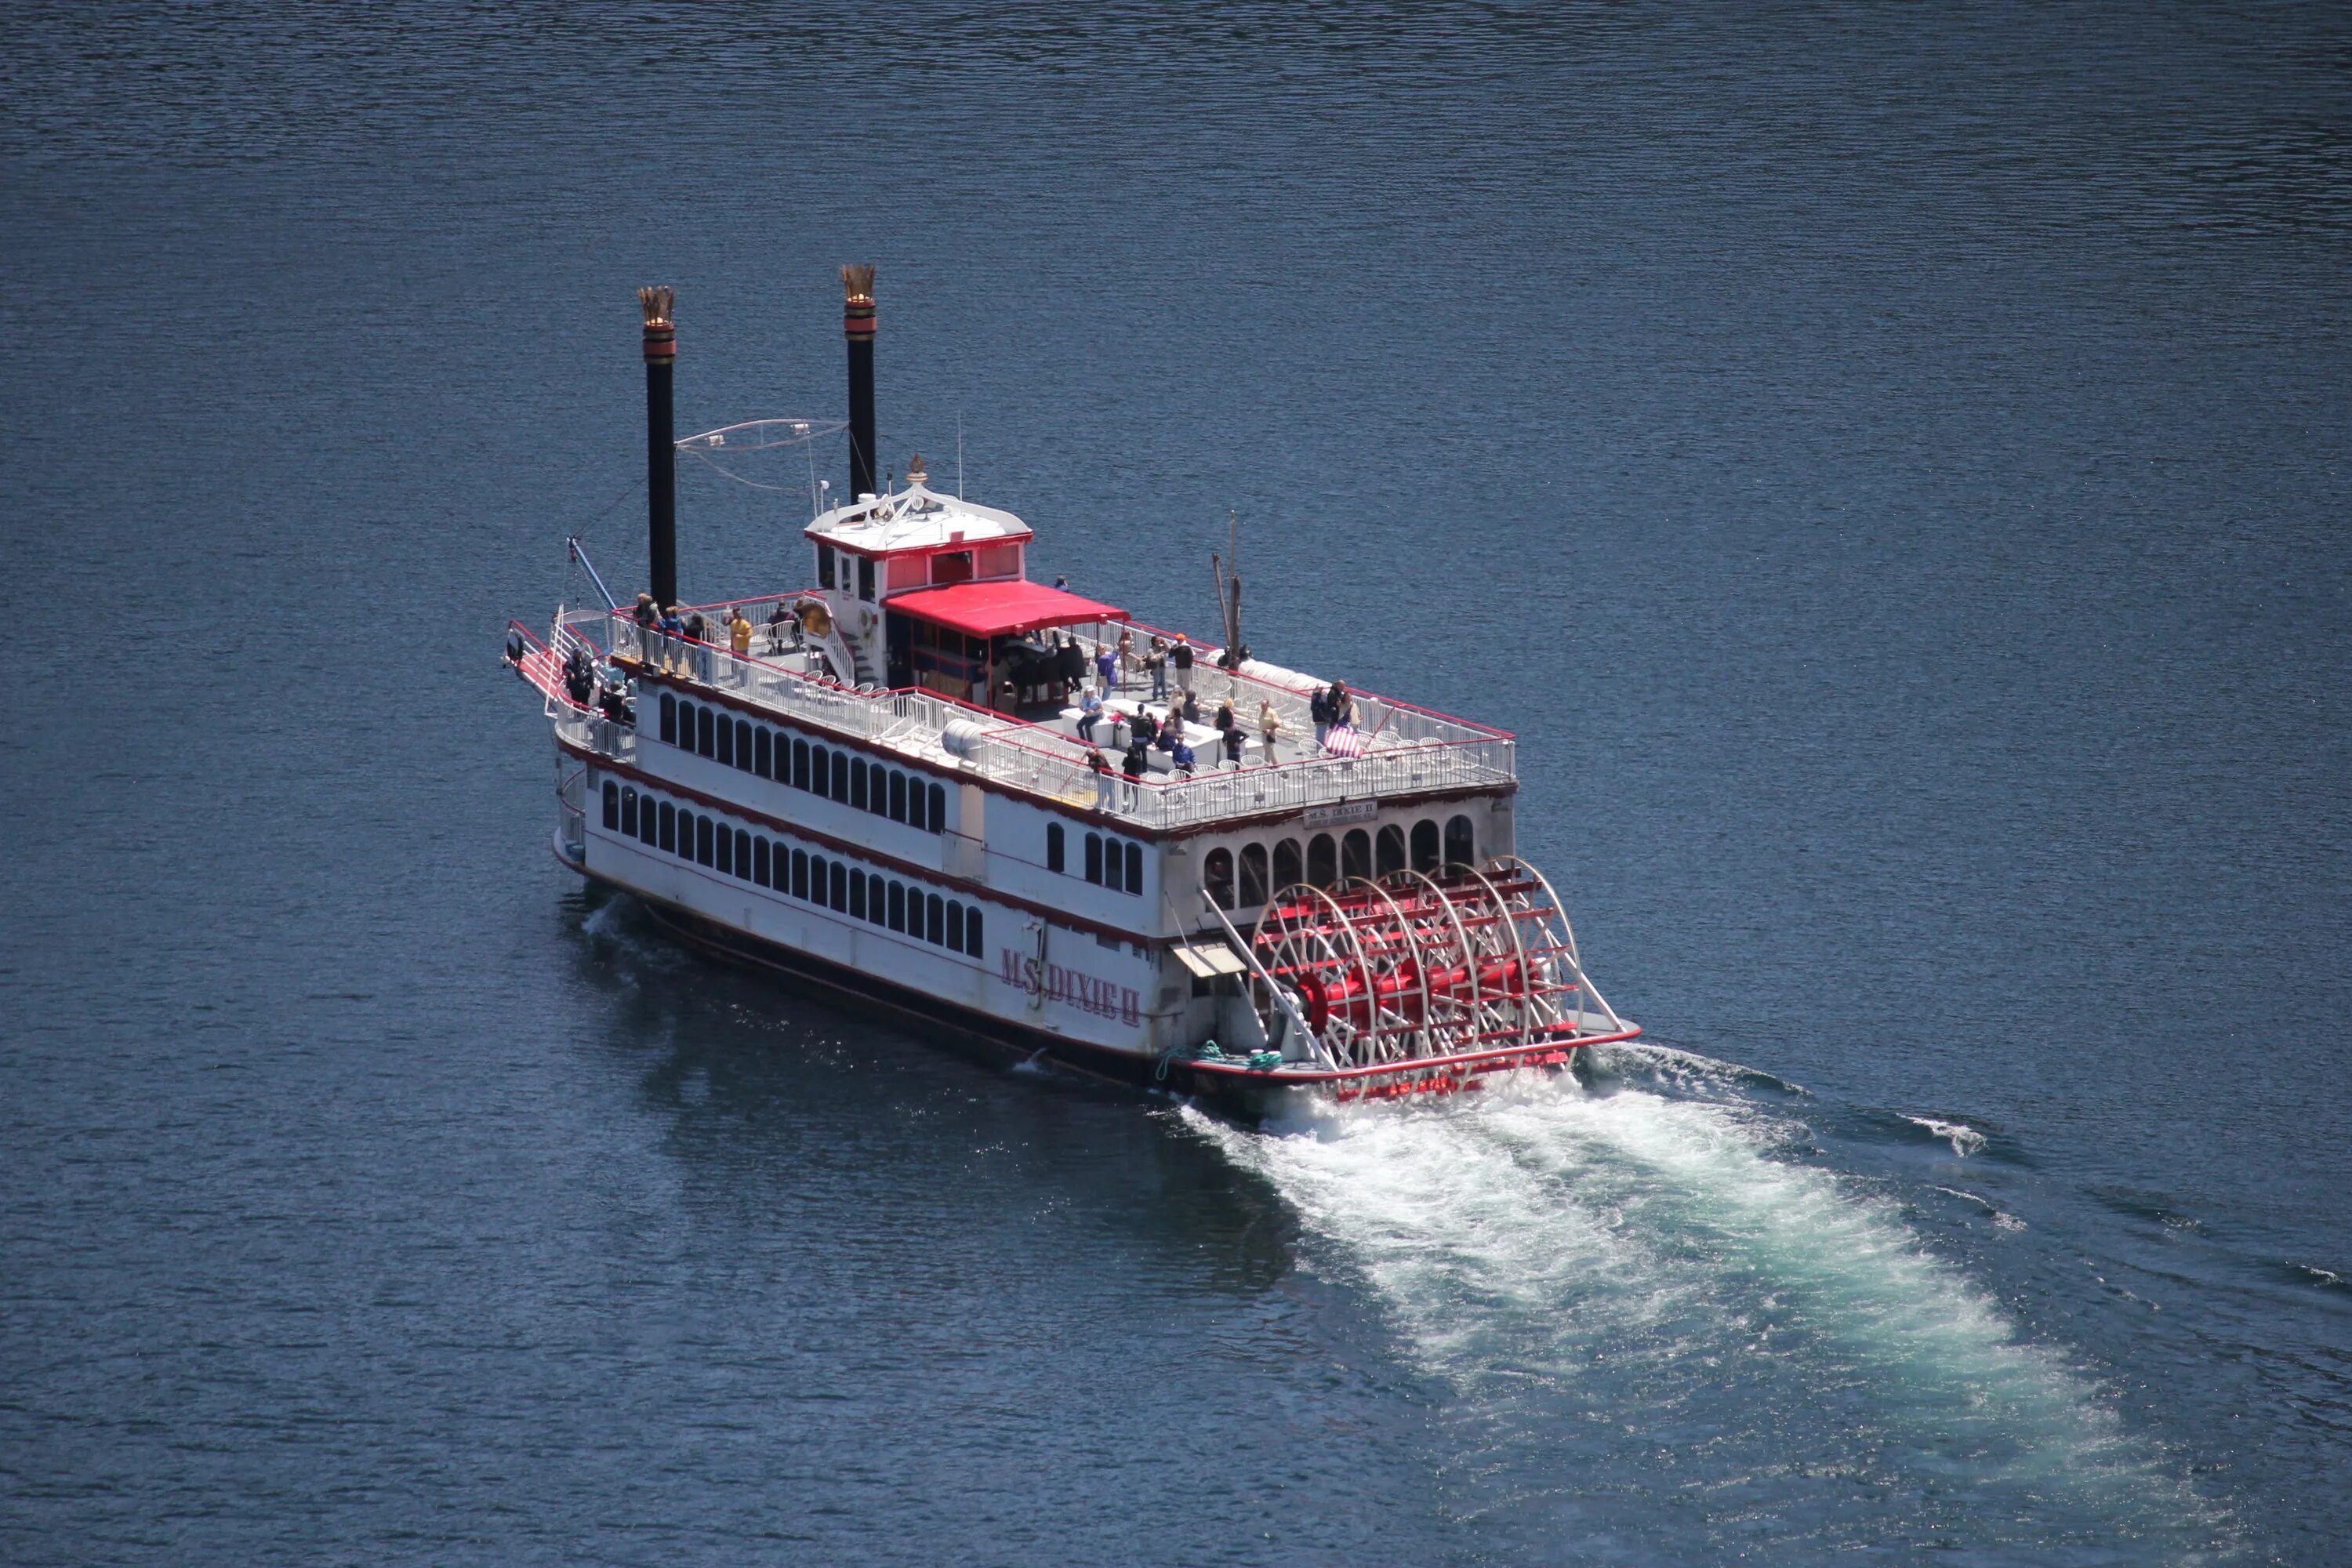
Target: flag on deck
(1345, 741)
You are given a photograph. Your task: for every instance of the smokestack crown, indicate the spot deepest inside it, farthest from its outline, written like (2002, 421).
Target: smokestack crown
(661, 336)
(857, 309)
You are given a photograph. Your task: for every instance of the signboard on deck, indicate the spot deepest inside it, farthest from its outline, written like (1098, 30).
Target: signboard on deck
(1346, 811)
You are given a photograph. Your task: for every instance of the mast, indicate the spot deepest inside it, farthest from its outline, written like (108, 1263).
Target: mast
(661, 445)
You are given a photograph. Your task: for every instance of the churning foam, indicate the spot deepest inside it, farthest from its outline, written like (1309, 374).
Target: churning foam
(1629, 1295)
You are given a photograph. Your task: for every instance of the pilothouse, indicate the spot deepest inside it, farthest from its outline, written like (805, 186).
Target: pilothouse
(930, 784)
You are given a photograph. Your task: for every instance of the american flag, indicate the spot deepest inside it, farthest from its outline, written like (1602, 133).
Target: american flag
(1345, 741)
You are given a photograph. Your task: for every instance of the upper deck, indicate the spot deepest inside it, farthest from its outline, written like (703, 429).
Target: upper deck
(1407, 751)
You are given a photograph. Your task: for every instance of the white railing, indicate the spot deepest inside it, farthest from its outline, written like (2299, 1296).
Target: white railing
(1411, 750)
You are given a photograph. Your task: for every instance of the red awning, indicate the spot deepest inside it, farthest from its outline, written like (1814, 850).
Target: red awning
(1001, 609)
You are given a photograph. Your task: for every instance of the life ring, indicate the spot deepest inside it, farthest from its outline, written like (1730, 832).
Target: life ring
(816, 619)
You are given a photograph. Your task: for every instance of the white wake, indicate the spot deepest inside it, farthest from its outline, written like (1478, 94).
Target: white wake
(1629, 1295)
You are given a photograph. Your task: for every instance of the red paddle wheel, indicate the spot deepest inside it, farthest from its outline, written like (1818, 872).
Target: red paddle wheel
(1456, 974)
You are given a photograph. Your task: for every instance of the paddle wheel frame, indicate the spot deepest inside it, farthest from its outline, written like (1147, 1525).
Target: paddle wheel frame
(1413, 983)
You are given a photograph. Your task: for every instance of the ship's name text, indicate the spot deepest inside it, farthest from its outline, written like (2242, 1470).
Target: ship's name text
(1025, 973)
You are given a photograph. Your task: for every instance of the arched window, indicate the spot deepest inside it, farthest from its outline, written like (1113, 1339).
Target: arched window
(843, 766)
(723, 851)
(743, 744)
(897, 906)
(898, 797)
(955, 924)
(840, 877)
(706, 727)
(820, 770)
(1217, 877)
(1094, 858)
(1322, 860)
(816, 876)
(935, 918)
(668, 828)
(1289, 867)
(1459, 850)
(760, 861)
(800, 874)
(856, 783)
(1114, 867)
(670, 719)
(1135, 868)
(1391, 857)
(939, 813)
(878, 789)
(1355, 855)
(763, 754)
(878, 895)
(629, 813)
(799, 764)
(645, 821)
(724, 753)
(1055, 856)
(1425, 844)
(744, 854)
(971, 931)
(611, 806)
(856, 895)
(1254, 888)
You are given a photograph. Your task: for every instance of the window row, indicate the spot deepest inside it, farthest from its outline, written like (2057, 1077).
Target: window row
(1112, 863)
(835, 884)
(821, 770)
(1328, 861)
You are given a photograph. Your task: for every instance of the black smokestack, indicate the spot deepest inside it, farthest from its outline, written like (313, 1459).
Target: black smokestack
(661, 444)
(857, 325)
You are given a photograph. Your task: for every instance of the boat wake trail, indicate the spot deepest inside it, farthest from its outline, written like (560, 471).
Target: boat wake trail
(1651, 1324)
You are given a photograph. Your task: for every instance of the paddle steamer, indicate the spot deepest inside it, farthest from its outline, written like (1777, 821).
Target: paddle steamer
(891, 790)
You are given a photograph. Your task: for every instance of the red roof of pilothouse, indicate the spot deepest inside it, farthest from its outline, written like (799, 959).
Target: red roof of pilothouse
(1002, 609)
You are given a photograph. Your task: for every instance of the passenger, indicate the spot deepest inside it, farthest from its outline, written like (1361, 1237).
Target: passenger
(1061, 583)
(647, 615)
(579, 680)
(1126, 655)
(1107, 667)
(696, 630)
(739, 633)
(1090, 712)
(1269, 725)
(1155, 664)
(1072, 660)
(614, 705)
(1343, 706)
(1234, 743)
(1100, 766)
(1171, 736)
(671, 629)
(1318, 708)
(1224, 719)
(1192, 707)
(1137, 762)
(1182, 755)
(1179, 658)
(778, 618)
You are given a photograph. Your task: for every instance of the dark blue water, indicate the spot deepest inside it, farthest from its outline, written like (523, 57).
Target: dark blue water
(1889, 465)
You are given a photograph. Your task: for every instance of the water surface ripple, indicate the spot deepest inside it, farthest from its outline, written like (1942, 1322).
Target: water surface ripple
(1887, 464)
